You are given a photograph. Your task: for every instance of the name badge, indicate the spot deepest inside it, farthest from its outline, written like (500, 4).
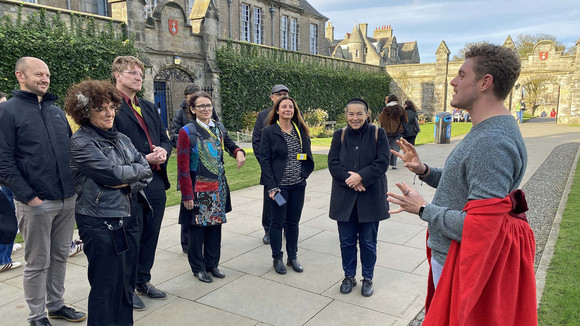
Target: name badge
(301, 157)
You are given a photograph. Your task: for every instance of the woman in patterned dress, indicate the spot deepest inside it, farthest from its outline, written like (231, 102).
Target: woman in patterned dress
(205, 193)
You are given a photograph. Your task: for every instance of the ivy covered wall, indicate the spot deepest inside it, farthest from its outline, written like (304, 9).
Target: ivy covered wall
(247, 77)
(74, 50)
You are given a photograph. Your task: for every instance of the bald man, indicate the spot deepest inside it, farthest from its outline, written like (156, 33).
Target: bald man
(34, 146)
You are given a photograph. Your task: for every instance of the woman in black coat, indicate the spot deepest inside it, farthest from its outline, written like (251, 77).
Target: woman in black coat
(286, 161)
(412, 125)
(358, 160)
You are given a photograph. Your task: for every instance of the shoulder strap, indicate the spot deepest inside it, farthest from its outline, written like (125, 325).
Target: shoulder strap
(191, 130)
(342, 135)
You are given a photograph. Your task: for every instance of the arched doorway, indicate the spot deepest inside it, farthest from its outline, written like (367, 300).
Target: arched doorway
(168, 91)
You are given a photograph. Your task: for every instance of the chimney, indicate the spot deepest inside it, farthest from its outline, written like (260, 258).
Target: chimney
(384, 31)
(329, 32)
(363, 29)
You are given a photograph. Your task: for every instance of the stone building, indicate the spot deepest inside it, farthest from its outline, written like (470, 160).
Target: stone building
(382, 49)
(427, 85)
(178, 39)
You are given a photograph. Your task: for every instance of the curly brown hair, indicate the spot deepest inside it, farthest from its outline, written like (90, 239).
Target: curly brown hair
(87, 95)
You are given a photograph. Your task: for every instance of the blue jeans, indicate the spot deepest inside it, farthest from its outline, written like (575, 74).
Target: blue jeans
(288, 214)
(6, 250)
(520, 116)
(366, 234)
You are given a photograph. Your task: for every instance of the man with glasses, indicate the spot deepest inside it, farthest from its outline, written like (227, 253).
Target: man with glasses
(140, 121)
(34, 146)
(278, 92)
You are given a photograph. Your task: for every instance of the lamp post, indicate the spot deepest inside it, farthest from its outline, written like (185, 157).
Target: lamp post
(230, 19)
(272, 12)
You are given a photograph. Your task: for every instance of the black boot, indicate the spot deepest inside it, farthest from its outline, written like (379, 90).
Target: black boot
(279, 266)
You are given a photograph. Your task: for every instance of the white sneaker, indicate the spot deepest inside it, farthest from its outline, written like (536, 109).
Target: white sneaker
(9, 266)
(16, 247)
(75, 248)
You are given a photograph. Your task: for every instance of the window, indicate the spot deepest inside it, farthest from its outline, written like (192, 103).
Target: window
(245, 24)
(356, 54)
(284, 32)
(258, 25)
(314, 39)
(294, 34)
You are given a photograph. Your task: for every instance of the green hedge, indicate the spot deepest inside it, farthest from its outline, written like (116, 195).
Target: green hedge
(247, 78)
(73, 52)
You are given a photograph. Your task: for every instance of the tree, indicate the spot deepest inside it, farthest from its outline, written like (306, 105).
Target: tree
(534, 86)
(525, 43)
(460, 56)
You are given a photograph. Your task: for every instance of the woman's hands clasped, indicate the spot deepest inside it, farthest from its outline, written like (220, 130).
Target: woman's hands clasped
(355, 182)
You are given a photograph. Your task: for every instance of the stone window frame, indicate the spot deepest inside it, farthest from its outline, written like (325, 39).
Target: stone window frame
(294, 34)
(284, 32)
(313, 38)
(245, 28)
(257, 25)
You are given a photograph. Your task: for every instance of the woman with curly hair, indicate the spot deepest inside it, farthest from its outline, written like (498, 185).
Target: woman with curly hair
(109, 173)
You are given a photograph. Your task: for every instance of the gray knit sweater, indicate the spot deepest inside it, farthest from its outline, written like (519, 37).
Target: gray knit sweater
(488, 163)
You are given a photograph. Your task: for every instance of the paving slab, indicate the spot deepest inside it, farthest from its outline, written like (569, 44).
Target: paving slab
(266, 301)
(253, 294)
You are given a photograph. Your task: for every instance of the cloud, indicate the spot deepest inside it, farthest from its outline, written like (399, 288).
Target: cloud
(456, 21)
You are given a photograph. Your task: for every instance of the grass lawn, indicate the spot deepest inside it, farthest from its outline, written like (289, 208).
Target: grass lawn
(561, 297)
(247, 176)
(424, 137)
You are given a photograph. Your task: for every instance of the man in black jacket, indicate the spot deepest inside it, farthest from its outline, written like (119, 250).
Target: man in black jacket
(140, 121)
(34, 146)
(278, 91)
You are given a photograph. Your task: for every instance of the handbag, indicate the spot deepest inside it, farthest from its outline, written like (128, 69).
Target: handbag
(417, 128)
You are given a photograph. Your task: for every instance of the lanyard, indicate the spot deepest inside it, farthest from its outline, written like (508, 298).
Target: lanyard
(214, 135)
(297, 131)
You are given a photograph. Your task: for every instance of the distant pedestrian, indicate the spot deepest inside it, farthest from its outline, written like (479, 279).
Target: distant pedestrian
(412, 128)
(553, 113)
(393, 119)
(521, 107)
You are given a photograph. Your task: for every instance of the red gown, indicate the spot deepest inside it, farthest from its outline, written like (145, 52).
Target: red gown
(488, 278)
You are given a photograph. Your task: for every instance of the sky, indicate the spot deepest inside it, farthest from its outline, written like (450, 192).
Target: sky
(456, 22)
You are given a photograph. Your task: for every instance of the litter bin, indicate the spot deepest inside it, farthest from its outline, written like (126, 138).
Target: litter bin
(442, 131)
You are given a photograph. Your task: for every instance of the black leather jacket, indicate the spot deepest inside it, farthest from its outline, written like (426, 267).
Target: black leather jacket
(99, 163)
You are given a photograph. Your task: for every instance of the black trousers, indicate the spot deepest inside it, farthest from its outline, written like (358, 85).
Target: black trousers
(111, 275)
(411, 139)
(266, 212)
(203, 252)
(288, 216)
(149, 226)
(184, 237)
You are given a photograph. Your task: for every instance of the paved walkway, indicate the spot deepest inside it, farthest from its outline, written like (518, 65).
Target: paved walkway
(253, 294)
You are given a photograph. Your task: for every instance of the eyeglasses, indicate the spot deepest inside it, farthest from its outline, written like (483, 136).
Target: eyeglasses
(110, 108)
(280, 94)
(135, 74)
(204, 107)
